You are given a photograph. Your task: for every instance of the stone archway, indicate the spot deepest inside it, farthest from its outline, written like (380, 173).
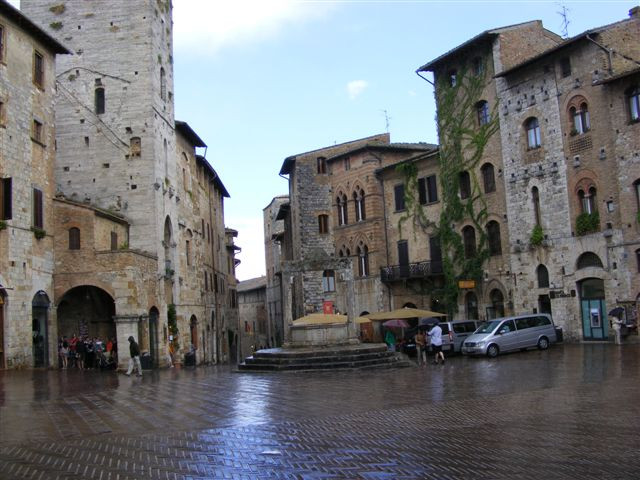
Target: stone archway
(87, 310)
(40, 331)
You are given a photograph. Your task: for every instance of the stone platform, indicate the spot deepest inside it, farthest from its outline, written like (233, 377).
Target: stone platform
(366, 355)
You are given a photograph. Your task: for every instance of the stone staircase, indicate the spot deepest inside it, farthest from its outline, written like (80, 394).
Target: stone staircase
(324, 358)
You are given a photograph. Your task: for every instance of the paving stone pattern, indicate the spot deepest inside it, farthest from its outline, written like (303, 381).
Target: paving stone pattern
(569, 412)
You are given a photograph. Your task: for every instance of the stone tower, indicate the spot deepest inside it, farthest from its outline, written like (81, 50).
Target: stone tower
(115, 113)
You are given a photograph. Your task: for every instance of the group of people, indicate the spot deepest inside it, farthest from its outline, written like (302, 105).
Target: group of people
(86, 353)
(423, 339)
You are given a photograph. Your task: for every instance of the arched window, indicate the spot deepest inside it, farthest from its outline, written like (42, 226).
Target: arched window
(543, 276)
(358, 198)
(493, 234)
(363, 260)
(99, 100)
(453, 78)
(344, 252)
(488, 178)
(328, 281)
(633, 100)
(535, 197)
(74, 238)
(323, 223)
(482, 109)
(465, 185)
(341, 201)
(588, 200)
(471, 306)
(533, 133)
(588, 259)
(497, 304)
(469, 239)
(163, 84)
(581, 123)
(186, 178)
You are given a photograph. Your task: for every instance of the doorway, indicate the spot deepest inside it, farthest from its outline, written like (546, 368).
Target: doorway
(593, 308)
(40, 338)
(153, 336)
(3, 301)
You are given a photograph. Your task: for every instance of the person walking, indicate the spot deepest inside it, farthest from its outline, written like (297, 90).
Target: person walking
(421, 347)
(134, 350)
(435, 334)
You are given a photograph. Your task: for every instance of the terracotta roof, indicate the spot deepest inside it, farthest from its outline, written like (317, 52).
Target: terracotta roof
(392, 147)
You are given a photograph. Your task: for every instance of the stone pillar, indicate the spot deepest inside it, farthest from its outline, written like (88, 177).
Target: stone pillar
(126, 326)
(287, 300)
(352, 326)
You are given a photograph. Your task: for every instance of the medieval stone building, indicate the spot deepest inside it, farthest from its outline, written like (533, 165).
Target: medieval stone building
(27, 156)
(566, 152)
(137, 217)
(558, 181)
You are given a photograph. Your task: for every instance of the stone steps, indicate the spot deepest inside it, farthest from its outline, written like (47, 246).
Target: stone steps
(323, 358)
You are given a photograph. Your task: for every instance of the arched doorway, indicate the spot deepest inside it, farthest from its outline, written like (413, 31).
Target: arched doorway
(3, 302)
(40, 332)
(154, 314)
(592, 307)
(87, 311)
(496, 309)
(193, 326)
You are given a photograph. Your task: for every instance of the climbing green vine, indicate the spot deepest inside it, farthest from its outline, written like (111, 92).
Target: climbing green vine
(463, 139)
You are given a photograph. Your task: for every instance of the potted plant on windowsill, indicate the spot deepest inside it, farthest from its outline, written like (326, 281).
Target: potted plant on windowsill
(38, 232)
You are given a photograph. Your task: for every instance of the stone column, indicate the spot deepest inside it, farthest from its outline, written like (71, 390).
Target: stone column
(352, 326)
(126, 326)
(287, 320)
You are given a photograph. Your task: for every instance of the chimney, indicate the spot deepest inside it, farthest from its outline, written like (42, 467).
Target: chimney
(634, 12)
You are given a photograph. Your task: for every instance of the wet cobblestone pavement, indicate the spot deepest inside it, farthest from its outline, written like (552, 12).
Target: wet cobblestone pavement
(569, 412)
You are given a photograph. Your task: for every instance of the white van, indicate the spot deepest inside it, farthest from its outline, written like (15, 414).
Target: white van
(511, 333)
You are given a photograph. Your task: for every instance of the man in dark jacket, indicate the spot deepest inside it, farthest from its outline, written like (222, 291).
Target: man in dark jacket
(134, 350)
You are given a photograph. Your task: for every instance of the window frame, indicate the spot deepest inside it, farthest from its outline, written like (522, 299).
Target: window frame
(37, 131)
(323, 224)
(3, 40)
(488, 177)
(99, 100)
(482, 111)
(163, 84)
(534, 137)
(6, 198)
(38, 208)
(464, 181)
(632, 96)
(398, 195)
(565, 67)
(469, 241)
(74, 238)
(494, 238)
(321, 166)
(328, 281)
(38, 69)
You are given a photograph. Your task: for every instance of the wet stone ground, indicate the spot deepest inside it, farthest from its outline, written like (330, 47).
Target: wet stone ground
(569, 412)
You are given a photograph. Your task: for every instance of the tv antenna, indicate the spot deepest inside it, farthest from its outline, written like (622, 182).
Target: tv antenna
(564, 14)
(387, 118)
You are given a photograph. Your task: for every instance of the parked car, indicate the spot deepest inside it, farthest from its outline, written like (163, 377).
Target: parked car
(454, 333)
(511, 333)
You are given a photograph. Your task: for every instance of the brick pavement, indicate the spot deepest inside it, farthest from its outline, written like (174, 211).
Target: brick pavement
(569, 412)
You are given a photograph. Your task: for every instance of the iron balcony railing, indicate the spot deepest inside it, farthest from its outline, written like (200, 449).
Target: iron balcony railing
(409, 271)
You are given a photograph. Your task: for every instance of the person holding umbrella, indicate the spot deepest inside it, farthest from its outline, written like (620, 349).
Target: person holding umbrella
(617, 322)
(436, 342)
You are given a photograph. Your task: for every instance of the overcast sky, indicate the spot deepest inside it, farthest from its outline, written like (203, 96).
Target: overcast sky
(262, 80)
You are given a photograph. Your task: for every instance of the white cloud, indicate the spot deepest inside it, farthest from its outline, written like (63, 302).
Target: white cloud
(206, 26)
(251, 241)
(356, 87)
